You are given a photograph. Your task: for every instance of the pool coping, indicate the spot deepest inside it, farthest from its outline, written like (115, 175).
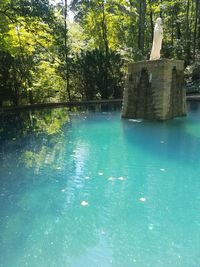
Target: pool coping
(193, 97)
(60, 105)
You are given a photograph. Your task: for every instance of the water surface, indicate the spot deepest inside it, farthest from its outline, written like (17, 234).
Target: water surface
(89, 189)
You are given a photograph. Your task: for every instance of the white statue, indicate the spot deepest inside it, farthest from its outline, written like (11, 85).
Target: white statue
(157, 40)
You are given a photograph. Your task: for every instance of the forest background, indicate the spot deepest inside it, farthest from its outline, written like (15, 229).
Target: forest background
(46, 56)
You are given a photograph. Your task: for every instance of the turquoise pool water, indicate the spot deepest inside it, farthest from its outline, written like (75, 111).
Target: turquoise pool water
(92, 190)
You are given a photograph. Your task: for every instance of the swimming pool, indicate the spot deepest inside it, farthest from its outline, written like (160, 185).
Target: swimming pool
(88, 189)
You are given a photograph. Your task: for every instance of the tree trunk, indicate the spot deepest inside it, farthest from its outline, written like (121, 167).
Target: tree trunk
(105, 93)
(172, 26)
(66, 53)
(161, 13)
(187, 33)
(132, 25)
(142, 20)
(198, 28)
(176, 20)
(195, 30)
(151, 19)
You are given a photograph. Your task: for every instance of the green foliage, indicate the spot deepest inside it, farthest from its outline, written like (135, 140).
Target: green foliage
(6, 62)
(46, 58)
(24, 35)
(192, 75)
(91, 74)
(47, 85)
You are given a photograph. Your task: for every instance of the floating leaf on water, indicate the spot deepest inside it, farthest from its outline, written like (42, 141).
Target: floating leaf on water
(162, 170)
(111, 178)
(84, 203)
(142, 199)
(150, 227)
(134, 120)
(121, 178)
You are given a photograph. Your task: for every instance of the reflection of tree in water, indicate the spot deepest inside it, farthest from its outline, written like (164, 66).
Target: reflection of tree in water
(30, 132)
(16, 125)
(38, 146)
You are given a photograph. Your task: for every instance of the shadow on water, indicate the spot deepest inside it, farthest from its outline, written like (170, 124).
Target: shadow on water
(193, 106)
(177, 139)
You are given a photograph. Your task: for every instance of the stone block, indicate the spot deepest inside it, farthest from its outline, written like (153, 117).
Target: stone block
(154, 90)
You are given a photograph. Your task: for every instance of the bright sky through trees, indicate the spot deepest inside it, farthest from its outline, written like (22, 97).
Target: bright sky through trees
(70, 13)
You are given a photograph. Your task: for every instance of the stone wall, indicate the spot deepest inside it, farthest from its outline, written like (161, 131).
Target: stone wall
(154, 90)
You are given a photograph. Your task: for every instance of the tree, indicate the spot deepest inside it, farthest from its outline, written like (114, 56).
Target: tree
(49, 58)
(141, 24)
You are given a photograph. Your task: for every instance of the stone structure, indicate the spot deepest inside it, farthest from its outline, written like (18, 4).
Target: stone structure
(154, 90)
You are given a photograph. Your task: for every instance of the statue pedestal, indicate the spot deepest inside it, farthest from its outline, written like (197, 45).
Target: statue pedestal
(154, 90)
